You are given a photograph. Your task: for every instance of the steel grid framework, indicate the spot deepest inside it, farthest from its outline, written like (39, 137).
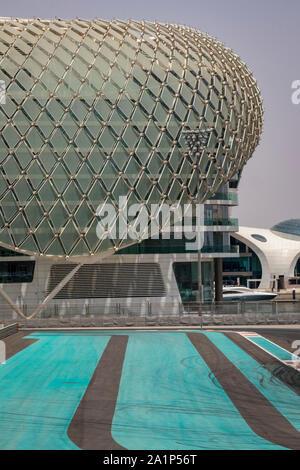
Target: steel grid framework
(96, 110)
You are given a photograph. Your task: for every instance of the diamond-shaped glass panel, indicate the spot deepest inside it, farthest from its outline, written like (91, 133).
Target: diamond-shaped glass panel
(99, 109)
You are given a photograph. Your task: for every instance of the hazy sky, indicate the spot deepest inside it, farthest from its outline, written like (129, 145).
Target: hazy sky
(266, 34)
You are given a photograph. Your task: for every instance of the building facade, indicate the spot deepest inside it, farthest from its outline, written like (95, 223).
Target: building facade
(269, 258)
(92, 112)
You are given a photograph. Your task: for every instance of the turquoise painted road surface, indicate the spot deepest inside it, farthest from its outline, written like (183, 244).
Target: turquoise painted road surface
(282, 397)
(272, 348)
(41, 388)
(169, 399)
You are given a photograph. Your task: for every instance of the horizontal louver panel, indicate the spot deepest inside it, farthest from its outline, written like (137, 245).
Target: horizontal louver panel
(108, 281)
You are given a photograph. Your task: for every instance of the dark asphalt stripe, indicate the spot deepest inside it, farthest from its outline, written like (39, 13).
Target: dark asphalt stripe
(90, 428)
(260, 415)
(16, 343)
(288, 375)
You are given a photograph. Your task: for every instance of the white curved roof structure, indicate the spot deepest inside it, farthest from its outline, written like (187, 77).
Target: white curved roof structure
(278, 252)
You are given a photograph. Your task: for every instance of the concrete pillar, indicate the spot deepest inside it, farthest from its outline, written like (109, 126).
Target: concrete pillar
(218, 279)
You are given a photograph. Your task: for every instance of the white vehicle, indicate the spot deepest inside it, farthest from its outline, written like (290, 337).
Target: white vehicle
(246, 294)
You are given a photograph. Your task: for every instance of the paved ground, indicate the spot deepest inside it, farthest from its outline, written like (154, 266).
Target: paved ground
(288, 294)
(91, 424)
(132, 389)
(284, 337)
(16, 343)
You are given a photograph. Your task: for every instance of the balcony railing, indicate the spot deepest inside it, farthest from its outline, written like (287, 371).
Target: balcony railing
(211, 222)
(225, 222)
(230, 196)
(180, 247)
(220, 249)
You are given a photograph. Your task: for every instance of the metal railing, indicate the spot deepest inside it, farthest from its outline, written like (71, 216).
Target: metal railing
(232, 222)
(248, 307)
(220, 249)
(68, 310)
(230, 196)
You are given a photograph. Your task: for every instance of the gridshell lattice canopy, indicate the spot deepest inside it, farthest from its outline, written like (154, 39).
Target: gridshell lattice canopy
(95, 110)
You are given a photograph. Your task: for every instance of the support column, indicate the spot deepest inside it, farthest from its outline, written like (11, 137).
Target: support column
(218, 279)
(8, 300)
(55, 291)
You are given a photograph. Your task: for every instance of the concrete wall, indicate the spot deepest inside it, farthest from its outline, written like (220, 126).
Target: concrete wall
(29, 295)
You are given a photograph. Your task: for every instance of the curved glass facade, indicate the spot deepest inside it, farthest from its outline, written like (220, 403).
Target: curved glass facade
(241, 269)
(297, 268)
(94, 110)
(291, 226)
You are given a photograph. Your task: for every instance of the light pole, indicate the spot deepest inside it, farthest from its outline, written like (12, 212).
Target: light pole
(197, 140)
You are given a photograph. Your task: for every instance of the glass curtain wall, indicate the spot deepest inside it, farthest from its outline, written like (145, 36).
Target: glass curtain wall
(186, 274)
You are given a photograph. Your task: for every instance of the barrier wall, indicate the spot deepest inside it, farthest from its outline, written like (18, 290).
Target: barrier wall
(8, 330)
(64, 315)
(174, 320)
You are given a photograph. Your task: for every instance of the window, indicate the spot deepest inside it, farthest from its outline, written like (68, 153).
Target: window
(16, 271)
(258, 237)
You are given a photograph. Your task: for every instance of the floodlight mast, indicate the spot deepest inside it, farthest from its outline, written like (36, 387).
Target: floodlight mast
(197, 140)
